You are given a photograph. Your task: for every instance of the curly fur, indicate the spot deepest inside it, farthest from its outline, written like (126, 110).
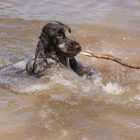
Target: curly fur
(55, 45)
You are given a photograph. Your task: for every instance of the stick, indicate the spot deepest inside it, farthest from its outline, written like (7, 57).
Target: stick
(110, 57)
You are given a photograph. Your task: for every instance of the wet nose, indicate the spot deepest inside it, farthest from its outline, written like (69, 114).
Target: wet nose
(77, 46)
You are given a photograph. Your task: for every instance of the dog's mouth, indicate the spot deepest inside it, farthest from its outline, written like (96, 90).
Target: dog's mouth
(73, 49)
(72, 54)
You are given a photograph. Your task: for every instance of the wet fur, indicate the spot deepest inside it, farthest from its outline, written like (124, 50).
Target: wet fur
(56, 45)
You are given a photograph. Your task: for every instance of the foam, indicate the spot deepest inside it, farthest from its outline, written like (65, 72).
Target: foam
(137, 97)
(113, 88)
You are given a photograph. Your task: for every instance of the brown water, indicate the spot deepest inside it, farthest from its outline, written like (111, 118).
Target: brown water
(61, 105)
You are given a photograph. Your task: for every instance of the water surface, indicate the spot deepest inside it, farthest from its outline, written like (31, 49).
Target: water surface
(62, 105)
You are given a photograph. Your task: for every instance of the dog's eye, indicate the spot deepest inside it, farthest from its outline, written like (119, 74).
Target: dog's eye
(69, 30)
(60, 33)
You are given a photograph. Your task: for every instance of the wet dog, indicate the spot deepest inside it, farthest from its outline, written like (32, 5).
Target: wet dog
(56, 45)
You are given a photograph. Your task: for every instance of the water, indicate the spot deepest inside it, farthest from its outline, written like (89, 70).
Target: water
(62, 105)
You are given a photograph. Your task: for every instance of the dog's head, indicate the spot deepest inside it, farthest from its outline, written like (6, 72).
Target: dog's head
(58, 36)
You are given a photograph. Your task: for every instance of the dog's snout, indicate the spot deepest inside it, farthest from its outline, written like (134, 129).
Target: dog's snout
(78, 47)
(73, 49)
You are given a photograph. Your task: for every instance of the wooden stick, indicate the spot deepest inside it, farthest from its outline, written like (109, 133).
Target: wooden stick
(110, 57)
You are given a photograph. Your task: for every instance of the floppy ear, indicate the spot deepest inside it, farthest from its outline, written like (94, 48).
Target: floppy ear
(45, 41)
(43, 38)
(42, 46)
(40, 54)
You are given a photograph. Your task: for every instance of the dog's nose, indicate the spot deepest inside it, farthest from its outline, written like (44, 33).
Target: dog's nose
(78, 48)
(74, 48)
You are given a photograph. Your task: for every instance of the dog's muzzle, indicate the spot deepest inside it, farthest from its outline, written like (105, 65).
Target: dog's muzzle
(73, 49)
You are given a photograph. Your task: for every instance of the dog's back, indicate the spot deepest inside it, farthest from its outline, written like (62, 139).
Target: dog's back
(14, 68)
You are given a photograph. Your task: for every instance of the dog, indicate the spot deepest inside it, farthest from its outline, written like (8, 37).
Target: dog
(55, 45)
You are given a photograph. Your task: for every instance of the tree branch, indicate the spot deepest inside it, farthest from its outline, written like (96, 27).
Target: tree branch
(110, 57)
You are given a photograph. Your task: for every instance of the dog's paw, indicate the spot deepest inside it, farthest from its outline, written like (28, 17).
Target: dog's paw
(90, 74)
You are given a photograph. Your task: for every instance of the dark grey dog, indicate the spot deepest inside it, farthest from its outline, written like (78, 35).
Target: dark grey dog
(56, 45)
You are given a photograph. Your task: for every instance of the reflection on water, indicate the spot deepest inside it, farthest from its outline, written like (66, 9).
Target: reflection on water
(62, 105)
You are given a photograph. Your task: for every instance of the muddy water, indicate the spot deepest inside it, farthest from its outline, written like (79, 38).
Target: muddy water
(61, 105)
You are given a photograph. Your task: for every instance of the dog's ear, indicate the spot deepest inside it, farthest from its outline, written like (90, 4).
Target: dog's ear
(48, 30)
(47, 34)
(43, 45)
(44, 38)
